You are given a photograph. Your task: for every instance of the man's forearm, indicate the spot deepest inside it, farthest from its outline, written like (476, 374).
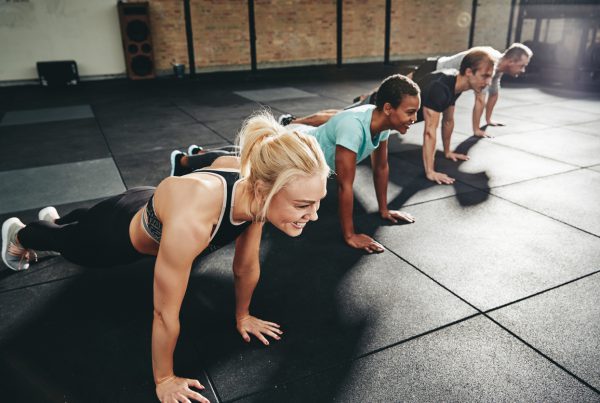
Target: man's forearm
(489, 108)
(477, 112)
(428, 151)
(447, 129)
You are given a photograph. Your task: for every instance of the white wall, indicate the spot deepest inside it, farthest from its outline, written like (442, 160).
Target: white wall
(86, 31)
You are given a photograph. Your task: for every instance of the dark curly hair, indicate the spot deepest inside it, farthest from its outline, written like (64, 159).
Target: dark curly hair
(393, 89)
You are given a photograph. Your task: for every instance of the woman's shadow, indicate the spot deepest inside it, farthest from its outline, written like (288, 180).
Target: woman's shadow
(299, 289)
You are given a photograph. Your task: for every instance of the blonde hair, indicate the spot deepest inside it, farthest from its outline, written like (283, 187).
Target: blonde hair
(271, 156)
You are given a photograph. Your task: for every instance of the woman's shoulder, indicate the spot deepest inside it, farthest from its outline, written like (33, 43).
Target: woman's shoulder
(197, 181)
(352, 120)
(189, 195)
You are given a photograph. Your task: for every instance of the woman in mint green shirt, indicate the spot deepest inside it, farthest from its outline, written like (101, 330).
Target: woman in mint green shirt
(352, 135)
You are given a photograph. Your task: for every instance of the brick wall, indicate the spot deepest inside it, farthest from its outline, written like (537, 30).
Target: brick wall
(221, 33)
(363, 30)
(292, 31)
(167, 24)
(304, 31)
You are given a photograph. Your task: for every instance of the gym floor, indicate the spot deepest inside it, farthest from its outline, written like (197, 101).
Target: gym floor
(492, 295)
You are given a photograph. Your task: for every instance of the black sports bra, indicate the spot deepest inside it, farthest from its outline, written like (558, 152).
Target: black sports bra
(226, 229)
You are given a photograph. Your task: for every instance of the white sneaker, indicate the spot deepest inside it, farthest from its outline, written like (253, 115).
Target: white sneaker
(15, 256)
(48, 214)
(286, 119)
(176, 168)
(194, 149)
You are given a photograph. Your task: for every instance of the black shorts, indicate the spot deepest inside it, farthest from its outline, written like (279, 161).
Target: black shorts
(428, 66)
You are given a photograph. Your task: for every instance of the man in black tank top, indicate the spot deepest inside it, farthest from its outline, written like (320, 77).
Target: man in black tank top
(439, 92)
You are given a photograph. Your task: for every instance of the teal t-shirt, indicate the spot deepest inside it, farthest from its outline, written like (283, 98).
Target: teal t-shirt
(350, 129)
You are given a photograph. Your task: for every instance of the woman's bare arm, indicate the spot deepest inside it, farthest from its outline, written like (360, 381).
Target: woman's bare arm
(186, 233)
(246, 270)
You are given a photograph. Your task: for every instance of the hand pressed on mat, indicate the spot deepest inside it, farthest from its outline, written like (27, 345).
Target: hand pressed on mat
(482, 133)
(362, 241)
(456, 156)
(252, 325)
(395, 215)
(174, 389)
(440, 178)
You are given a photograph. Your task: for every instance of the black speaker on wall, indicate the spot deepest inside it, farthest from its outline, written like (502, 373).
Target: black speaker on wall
(134, 19)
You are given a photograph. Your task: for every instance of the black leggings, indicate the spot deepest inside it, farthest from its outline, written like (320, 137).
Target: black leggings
(370, 99)
(209, 156)
(94, 237)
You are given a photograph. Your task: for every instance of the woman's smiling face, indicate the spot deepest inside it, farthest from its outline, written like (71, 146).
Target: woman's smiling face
(297, 203)
(402, 117)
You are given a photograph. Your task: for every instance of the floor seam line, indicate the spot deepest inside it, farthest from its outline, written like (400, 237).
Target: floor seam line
(518, 117)
(42, 283)
(546, 215)
(531, 153)
(489, 191)
(582, 381)
(205, 372)
(212, 385)
(202, 123)
(360, 356)
(540, 292)
(434, 280)
(112, 155)
(538, 177)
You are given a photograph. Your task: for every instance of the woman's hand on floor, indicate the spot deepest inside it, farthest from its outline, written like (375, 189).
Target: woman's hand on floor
(175, 389)
(365, 242)
(259, 328)
(395, 215)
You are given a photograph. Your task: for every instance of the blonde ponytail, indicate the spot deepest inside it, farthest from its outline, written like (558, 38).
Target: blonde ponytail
(272, 155)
